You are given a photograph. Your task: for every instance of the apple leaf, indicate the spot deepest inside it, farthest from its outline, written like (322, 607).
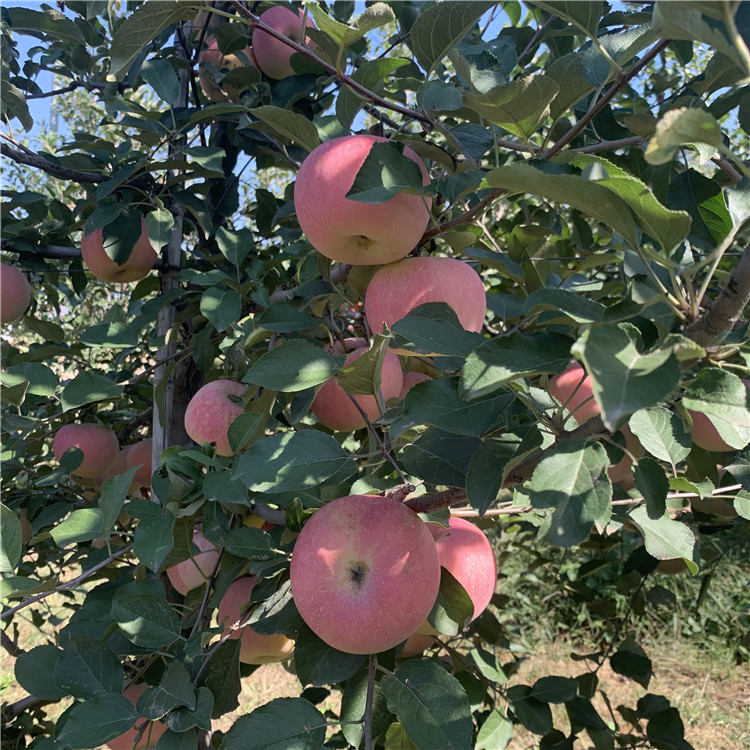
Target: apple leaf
(11, 540)
(182, 719)
(439, 457)
(291, 125)
(496, 731)
(153, 538)
(34, 671)
(679, 127)
(87, 668)
(294, 365)
(146, 620)
(81, 525)
(96, 721)
(453, 608)
(662, 433)
(221, 306)
(175, 689)
(317, 663)
(666, 539)
(277, 614)
(363, 375)
(223, 678)
(652, 483)
(353, 706)
(583, 15)
(88, 387)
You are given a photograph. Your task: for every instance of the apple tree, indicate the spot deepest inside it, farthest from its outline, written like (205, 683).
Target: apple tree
(511, 293)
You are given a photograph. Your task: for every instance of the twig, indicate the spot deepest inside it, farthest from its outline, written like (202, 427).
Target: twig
(367, 718)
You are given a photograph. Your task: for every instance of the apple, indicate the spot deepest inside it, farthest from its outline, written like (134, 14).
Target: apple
(194, 572)
(212, 410)
(140, 261)
(365, 573)
(218, 92)
(151, 734)
(333, 406)
(416, 644)
(411, 378)
(705, 435)
(272, 55)
(139, 454)
(622, 472)
(255, 648)
(98, 443)
(119, 466)
(348, 231)
(256, 522)
(573, 388)
(397, 288)
(15, 293)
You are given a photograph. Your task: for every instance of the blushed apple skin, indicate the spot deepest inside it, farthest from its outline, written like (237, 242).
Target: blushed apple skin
(255, 648)
(416, 644)
(140, 455)
(15, 293)
(212, 55)
(211, 411)
(194, 572)
(98, 443)
(332, 405)
(365, 573)
(397, 288)
(578, 399)
(348, 231)
(411, 378)
(140, 261)
(150, 736)
(272, 55)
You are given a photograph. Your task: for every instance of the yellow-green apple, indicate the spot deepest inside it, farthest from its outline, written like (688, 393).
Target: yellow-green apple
(272, 56)
(465, 552)
(622, 472)
(349, 231)
(212, 55)
(397, 288)
(139, 454)
(705, 435)
(256, 522)
(416, 644)
(411, 378)
(255, 648)
(98, 443)
(573, 388)
(194, 572)
(151, 734)
(15, 293)
(365, 573)
(140, 261)
(212, 410)
(333, 406)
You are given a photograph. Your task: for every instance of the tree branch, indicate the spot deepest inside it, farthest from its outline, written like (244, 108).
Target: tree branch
(56, 170)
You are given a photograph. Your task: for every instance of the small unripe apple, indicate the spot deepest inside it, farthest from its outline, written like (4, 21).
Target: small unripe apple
(194, 572)
(255, 648)
(212, 55)
(98, 443)
(139, 454)
(365, 573)
(211, 412)
(272, 55)
(397, 288)
(15, 293)
(333, 406)
(152, 733)
(349, 231)
(573, 388)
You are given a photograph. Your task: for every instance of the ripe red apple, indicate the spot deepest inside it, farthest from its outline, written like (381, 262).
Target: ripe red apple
(15, 293)
(365, 573)
(153, 731)
(194, 572)
(98, 443)
(211, 412)
(573, 388)
(140, 261)
(139, 454)
(219, 92)
(397, 288)
(272, 55)
(411, 378)
(346, 230)
(333, 407)
(255, 648)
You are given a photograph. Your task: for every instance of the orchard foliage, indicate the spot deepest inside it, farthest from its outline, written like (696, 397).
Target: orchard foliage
(588, 160)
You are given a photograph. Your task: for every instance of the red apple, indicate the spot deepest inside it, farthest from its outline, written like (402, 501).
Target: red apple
(119, 466)
(211, 412)
(153, 731)
(194, 572)
(346, 230)
(98, 443)
(15, 293)
(333, 407)
(705, 435)
(140, 455)
(255, 648)
(140, 261)
(219, 92)
(272, 55)
(397, 288)
(365, 573)
(573, 388)
(411, 378)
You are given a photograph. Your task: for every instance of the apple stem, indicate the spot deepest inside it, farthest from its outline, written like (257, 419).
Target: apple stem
(367, 718)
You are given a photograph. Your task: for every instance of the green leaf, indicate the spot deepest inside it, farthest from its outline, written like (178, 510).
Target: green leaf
(41, 380)
(572, 480)
(371, 18)
(292, 125)
(384, 173)
(112, 496)
(554, 689)
(574, 306)
(397, 739)
(146, 620)
(430, 704)
(662, 433)
(81, 525)
(175, 689)
(433, 329)
(223, 679)
(353, 703)
(438, 457)
(281, 317)
(87, 668)
(496, 732)
(183, 719)
(49, 22)
(292, 366)
(159, 224)
(583, 15)
(222, 307)
(294, 461)
(11, 540)
(532, 713)
(120, 233)
(679, 127)
(664, 538)
(235, 245)
(89, 387)
(363, 375)
(95, 722)
(453, 609)
(160, 75)
(630, 660)
(499, 361)
(34, 671)
(440, 27)
(282, 724)
(247, 542)
(652, 483)
(153, 539)
(139, 29)
(624, 380)
(178, 740)
(317, 663)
